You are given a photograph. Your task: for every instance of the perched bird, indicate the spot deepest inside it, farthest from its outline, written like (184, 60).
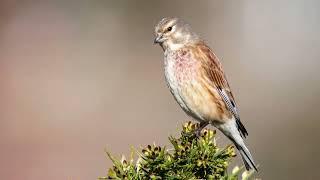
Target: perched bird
(197, 81)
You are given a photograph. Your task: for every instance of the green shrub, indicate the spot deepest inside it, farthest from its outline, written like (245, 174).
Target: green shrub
(190, 158)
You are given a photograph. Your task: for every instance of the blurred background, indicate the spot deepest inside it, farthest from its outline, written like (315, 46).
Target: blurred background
(79, 76)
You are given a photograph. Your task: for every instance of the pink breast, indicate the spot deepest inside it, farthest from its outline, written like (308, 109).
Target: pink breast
(185, 67)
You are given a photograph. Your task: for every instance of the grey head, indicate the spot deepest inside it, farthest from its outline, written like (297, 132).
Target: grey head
(174, 33)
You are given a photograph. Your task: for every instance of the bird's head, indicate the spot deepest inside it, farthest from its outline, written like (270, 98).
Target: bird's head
(173, 33)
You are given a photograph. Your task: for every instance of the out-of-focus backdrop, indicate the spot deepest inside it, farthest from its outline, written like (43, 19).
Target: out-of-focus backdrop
(78, 76)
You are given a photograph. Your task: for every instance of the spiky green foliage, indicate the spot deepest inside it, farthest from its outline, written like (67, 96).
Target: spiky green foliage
(190, 158)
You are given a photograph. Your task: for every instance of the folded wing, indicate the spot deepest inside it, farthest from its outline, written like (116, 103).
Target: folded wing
(217, 79)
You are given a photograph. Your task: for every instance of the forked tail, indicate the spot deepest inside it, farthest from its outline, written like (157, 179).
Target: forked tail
(246, 156)
(232, 132)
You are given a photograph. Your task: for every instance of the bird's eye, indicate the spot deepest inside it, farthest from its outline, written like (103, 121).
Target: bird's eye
(169, 28)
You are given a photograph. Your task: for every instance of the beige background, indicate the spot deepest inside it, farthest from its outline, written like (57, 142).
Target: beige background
(79, 76)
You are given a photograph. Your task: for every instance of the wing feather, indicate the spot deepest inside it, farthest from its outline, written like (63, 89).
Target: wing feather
(215, 74)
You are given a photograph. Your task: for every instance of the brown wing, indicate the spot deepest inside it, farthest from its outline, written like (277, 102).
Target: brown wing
(214, 73)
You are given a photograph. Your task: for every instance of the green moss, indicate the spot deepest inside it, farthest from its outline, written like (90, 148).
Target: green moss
(190, 158)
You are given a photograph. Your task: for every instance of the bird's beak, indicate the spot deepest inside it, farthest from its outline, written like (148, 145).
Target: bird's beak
(158, 39)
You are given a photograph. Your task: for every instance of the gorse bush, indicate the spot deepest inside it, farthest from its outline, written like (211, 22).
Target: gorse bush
(190, 158)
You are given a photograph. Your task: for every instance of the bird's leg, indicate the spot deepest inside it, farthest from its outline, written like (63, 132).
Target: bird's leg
(203, 124)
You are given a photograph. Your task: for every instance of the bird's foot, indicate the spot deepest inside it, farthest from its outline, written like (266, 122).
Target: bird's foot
(199, 129)
(198, 132)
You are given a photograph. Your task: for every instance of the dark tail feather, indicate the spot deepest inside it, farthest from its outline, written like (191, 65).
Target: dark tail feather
(246, 156)
(235, 131)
